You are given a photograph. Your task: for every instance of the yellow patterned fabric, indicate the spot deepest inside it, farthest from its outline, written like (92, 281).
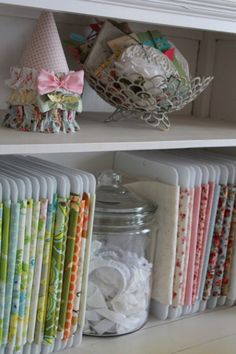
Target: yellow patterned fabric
(22, 97)
(58, 97)
(58, 100)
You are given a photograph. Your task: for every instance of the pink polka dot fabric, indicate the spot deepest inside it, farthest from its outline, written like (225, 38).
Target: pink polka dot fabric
(45, 51)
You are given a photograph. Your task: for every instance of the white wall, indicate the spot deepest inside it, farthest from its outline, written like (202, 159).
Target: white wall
(223, 103)
(89, 161)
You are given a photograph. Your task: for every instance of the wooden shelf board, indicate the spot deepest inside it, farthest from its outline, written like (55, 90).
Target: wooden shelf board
(202, 333)
(95, 135)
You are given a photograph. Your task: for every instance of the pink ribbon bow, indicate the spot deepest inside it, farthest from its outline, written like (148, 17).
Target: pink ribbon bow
(48, 82)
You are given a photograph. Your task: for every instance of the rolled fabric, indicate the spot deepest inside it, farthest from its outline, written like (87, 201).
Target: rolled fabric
(215, 242)
(200, 238)
(209, 240)
(12, 249)
(220, 265)
(54, 290)
(188, 245)
(62, 264)
(205, 234)
(25, 274)
(193, 243)
(43, 291)
(32, 255)
(37, 269)
(182, 237)
(16, 291)
(4, 260)
(229, 257)
(77, 291)
(75, 271)
(231, 295)
(70, 246)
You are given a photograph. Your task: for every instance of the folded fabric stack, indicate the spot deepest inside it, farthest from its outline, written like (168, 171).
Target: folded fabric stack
(46, 217)
(195, 256)
(115, 40)
(45, 96)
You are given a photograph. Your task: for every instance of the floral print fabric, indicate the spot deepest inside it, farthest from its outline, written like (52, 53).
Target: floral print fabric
(78, 287)
(193, 243)
(215, 242)
(25, 78)
(50, 113)
(209, 240)
(30, 230)
(182, 240)
(229, 255)
(40, 255)
(188, 240)
(219, 272)
(29, 118)
(200, 238)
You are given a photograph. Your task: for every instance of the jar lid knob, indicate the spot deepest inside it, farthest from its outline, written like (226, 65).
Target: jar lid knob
(109, 178)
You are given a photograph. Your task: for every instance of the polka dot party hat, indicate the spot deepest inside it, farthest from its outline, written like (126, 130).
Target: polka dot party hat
(44, 50)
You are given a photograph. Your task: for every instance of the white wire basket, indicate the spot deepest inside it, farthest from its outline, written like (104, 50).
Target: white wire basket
(150, 98)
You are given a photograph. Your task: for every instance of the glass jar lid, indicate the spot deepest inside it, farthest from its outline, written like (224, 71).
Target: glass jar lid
(116, 205)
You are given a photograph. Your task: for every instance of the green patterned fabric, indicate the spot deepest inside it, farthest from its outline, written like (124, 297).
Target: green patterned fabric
(25, 273)
(1, 215)
(72, 229)
(49, 102)
(37, 268)
(39, 262)
(56, 273)
(62, 263)
(33, 242)
(12, 250)
(47, 252)
(4, 260)
(17, 277)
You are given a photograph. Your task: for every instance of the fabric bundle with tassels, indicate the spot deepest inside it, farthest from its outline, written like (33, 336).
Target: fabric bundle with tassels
(45, 95)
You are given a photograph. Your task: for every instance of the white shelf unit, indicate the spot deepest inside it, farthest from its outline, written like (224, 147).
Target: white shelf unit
(213, 15)
(209, 122)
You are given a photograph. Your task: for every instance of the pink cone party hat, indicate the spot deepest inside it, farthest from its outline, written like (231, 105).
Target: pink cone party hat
(45, 51)
(45, 95)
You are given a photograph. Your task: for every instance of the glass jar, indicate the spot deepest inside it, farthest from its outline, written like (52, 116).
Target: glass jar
(119, 283)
